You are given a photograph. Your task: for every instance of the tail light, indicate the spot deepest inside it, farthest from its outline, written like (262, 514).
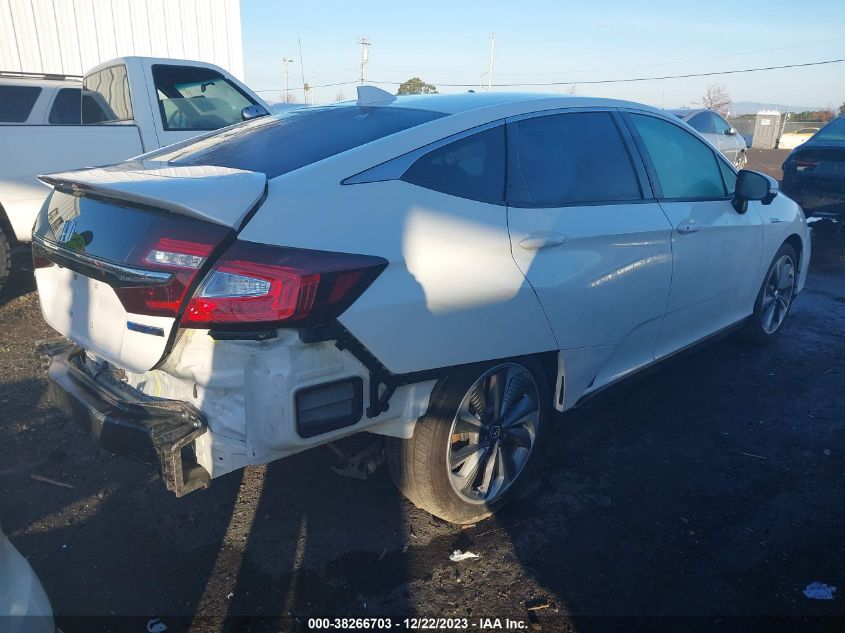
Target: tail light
(805, 162)
(256, 283)
(177, 249)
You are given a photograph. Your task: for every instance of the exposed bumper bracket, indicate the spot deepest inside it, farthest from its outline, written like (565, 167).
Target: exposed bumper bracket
(150, 430)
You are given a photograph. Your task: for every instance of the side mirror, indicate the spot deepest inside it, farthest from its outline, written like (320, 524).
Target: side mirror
(253, 112)
(731, 131)
(752, 185)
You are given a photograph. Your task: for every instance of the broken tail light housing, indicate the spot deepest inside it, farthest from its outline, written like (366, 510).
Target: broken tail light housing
(176, 246)
(255, 283)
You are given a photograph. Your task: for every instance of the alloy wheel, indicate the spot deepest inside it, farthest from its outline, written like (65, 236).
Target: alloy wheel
(777, 294)
(493, 433)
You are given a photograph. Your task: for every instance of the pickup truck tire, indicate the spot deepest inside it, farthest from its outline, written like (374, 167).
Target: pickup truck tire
(474, 445)
(5, 258)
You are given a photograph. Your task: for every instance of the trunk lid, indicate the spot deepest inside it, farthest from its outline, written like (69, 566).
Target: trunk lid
(118, 251)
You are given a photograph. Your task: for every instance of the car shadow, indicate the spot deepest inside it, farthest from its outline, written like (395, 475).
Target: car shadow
(21, 280)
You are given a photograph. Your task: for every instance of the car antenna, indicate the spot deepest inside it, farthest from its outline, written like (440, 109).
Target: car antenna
(370, 95)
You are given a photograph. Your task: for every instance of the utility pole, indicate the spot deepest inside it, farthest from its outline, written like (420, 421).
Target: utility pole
(287, 62)
(365, 46)
(490, 69)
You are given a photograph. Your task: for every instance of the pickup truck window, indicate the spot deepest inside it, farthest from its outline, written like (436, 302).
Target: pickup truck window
(105, 96)
(193, 98)
(67, 107)
(16, 102)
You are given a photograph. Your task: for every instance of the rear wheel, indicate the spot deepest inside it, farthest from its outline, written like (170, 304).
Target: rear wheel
(775, 297)
(5, 258)
(474, 445)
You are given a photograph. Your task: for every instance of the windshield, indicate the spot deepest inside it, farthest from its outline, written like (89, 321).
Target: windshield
(279, 144)
(833, 131)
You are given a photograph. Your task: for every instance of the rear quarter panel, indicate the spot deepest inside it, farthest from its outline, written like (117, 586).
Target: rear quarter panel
(451, 294)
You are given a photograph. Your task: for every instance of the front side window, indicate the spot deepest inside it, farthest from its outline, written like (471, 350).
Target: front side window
(702, 123)
(472, 167)
(720, 125)
(729, 176)
(193, 98)
(67, 107)
(16, 102)
(105, 96)
(563, 159)
(686, 166)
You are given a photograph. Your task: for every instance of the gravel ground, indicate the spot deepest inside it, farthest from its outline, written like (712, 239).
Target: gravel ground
(712, 487)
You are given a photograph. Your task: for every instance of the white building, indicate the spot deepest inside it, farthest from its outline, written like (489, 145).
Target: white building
(68, 37)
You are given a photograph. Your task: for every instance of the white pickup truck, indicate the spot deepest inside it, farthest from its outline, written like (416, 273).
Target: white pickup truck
(119, 109)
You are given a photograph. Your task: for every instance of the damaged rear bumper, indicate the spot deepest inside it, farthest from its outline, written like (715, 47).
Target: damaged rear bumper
(154, 431)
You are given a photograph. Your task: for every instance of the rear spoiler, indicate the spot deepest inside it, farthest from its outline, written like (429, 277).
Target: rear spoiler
(215, 194)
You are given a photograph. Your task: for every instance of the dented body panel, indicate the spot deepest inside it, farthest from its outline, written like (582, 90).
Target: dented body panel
(246, 389)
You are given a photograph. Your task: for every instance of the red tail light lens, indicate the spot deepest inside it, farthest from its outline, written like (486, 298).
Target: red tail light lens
(256, 283)
(805, 162)
(176, 247)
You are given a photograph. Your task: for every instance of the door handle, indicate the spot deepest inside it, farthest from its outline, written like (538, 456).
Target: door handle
(541, 239)
(686, 227)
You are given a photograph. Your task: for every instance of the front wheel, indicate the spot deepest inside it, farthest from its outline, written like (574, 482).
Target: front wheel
(474, 444)
(775, 297)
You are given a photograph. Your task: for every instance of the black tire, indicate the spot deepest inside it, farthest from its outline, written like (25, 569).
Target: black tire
(5, 258)
(419, 467)
(755, 330)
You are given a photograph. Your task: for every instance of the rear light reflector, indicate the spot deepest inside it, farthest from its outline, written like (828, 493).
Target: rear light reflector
(256, 283)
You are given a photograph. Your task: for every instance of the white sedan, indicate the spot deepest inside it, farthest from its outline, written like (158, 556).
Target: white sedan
(445, 271)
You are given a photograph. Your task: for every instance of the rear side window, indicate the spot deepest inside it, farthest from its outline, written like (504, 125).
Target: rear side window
(686, 166)
(16, 102)
(569, 159)
(472, 167)
(276, 145)
(106, 97)
(193, 98)
(67, 107)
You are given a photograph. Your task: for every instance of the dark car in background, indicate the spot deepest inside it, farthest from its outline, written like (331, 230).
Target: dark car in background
(814, 172)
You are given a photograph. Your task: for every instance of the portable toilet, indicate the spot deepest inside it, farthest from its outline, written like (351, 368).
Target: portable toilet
(766, 129)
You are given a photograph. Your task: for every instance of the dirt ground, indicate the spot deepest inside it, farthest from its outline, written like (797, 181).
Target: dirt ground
(710, 490)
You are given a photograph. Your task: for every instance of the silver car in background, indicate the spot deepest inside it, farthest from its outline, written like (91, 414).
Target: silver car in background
(718, 131)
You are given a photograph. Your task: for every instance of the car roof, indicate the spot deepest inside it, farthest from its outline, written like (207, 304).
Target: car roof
(687, 113)
(39, 82)
(467, 102)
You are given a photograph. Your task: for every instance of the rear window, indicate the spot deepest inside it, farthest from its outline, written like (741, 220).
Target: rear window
(105, 96)
(276, 145)
(16, 102)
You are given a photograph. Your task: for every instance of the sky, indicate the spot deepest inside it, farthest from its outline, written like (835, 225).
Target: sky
(445, 42)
